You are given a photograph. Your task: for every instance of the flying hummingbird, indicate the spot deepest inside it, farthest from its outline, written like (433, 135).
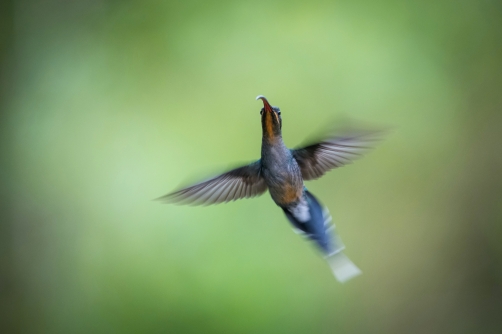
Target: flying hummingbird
(283, 171)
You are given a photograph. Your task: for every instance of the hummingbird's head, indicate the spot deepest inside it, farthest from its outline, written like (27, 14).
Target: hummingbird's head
(271, 120)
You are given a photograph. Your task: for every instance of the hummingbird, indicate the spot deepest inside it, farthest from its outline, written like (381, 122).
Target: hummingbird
(282, 171)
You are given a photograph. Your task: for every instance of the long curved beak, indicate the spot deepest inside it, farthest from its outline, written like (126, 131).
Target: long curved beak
(266, 105)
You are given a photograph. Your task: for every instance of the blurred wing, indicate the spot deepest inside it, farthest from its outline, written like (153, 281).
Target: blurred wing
(335, 151)
(242, 182)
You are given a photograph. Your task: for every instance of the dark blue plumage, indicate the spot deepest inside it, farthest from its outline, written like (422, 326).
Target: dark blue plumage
(315, 227)
(282, 171)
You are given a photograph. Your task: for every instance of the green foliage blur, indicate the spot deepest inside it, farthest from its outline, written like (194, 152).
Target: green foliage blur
(106, 105)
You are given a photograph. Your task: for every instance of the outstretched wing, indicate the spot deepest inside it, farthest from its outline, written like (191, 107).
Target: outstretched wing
(242, 182)
(334, 151)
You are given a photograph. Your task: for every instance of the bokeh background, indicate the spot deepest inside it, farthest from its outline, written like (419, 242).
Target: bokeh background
(106, 105)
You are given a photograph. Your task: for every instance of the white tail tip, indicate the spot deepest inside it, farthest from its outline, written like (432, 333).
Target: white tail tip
(342, 267)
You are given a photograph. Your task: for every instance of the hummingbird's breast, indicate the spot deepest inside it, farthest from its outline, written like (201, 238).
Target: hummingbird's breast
(282, 174)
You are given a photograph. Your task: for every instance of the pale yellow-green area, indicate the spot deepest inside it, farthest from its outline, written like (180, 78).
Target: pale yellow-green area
(115, 103)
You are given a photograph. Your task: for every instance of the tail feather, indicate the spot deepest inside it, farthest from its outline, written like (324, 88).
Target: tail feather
(330, 231)
(341, 266)
(320, 229)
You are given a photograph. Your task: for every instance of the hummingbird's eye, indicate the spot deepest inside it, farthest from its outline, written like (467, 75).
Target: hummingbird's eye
(261, 111)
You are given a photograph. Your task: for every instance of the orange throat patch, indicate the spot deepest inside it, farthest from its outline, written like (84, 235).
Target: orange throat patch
(269, 125)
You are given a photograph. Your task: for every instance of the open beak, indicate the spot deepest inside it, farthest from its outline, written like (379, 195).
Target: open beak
(266, 105)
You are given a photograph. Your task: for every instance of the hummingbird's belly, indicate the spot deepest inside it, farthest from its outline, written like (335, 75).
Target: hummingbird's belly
(285, 190)
(282, 175)
(286, 196)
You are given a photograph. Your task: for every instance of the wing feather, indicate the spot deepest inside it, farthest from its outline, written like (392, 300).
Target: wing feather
(336, 150)
(242, 182)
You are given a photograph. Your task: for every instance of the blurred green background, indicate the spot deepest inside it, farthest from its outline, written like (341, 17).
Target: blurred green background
(106, 105)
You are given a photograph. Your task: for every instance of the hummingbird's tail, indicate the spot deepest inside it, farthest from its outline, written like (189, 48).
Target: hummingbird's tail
(342, 267)
(314, 221)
